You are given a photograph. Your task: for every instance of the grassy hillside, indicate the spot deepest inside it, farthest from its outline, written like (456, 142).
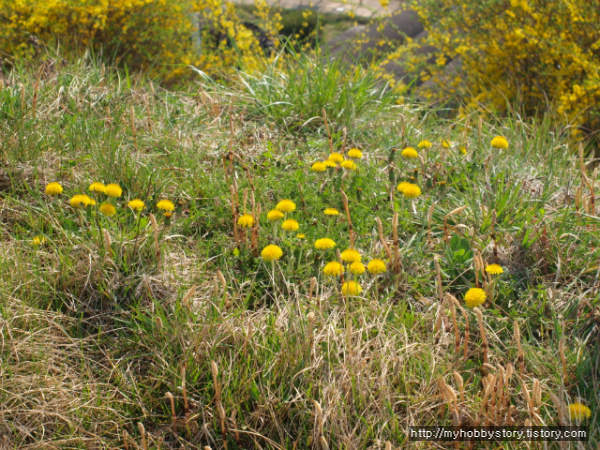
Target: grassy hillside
(157, 329)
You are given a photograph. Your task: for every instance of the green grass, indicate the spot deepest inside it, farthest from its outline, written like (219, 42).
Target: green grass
(100, 322)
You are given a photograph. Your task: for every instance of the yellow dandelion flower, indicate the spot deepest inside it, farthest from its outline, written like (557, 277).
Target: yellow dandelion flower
(80, 201)
(579, 412)
(446, 144)
(333, 269)
(38, 240)
(274, 215)
(402, 186)
(331, 212)
(410, 153)
(318, 167)
(411, 191)
(113, 190)
(499, 142)
(348, 164)
(351, 288)
(424, 144)
(136, 204)
(355, 153)
(166, 205)
(290, 225)
(324, 244)
(336, 157)
(271, 253)
(301, 236)
(97, 187)
(330, 164)
(463, 150)
(246, 221)
(54, 189)
(357, 268)
(494, 269)
(286, 206)
(376, 266)
(350, 255)
(108, 209)
(475, 297)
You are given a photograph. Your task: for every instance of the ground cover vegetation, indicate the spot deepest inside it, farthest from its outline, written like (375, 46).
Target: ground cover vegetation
(283, 257)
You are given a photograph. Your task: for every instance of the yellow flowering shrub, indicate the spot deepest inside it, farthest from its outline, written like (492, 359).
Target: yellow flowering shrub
(533, 53)
(161, 36)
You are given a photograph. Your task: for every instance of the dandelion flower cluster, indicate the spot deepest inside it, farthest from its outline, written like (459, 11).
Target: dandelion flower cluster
(351, 288)
(286, 206)
(402, 186)
(274, 215)
(271, 253)
(336, 157)
(348, 164)
(579, 412)
(424, 144)
(97, 187)
(355, 153)
(108, 209)
(136, 204)
(324, 244)
(290, 225)
(113, 190)
(410, 153)
(357, 268)
(350, 255)
(318, 167)
(331, 212)
(38, 240)
(54, 189)
(499, 142)
(494, 269)
(80, 201)
(376, 266)
(246, 221)
(411, 191)
(165, 205)
(475, 297)
(333, 269)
